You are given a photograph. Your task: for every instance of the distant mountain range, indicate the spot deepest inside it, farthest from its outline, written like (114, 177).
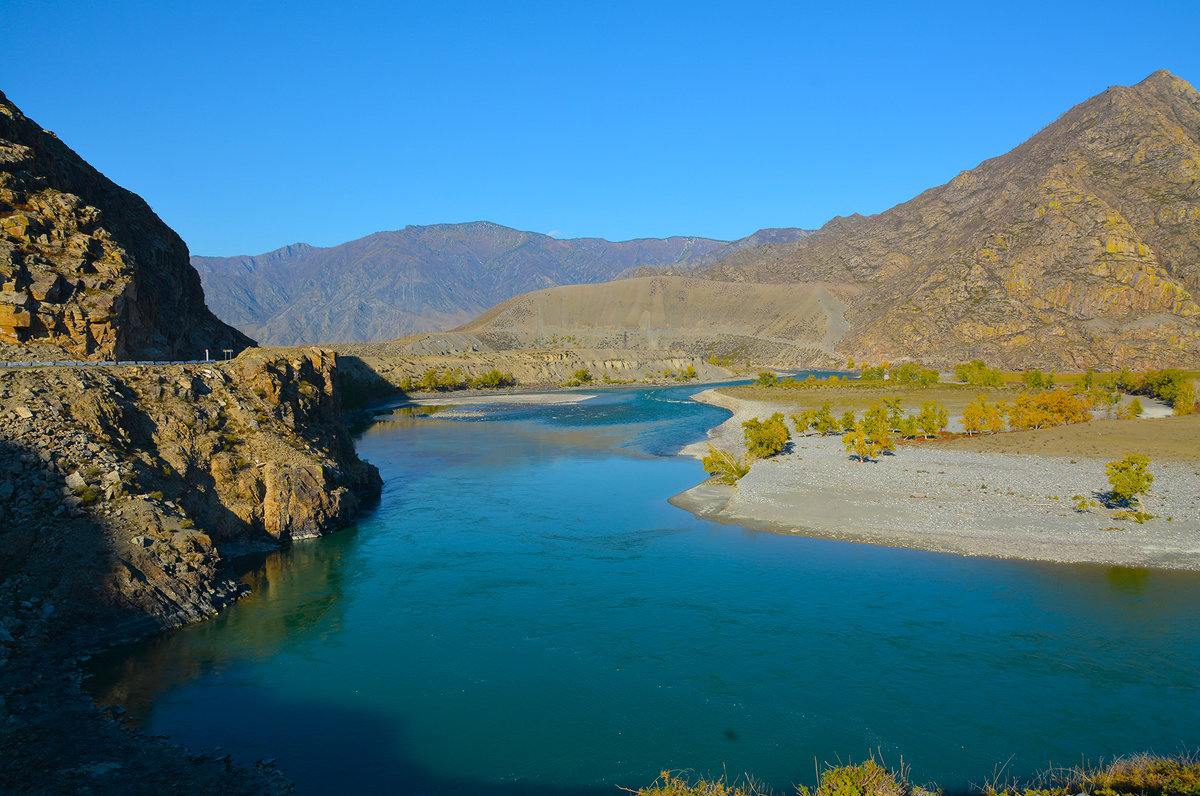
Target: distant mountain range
(425, 278)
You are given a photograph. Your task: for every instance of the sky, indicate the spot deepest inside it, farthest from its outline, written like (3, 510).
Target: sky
(250, 126)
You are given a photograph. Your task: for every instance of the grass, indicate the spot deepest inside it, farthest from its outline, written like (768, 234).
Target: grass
(1138, 775)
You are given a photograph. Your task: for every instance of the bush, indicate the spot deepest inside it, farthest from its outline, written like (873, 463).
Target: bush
(723, 465)
(493, 379)
(583, 376)
(766, 438)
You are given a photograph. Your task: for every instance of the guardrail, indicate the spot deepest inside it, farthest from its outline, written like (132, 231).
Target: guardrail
(48, 363)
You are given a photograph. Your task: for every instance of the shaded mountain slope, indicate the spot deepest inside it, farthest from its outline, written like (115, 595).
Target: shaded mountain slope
(1079, 247)
(87, 270)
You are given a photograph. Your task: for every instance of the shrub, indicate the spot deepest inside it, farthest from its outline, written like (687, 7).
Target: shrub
(767, 379)
(493, 379)
(583, 376)
(766, 437)
(723, 465)
(865, 779)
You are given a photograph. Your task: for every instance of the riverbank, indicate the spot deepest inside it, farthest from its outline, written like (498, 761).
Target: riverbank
(944, 498)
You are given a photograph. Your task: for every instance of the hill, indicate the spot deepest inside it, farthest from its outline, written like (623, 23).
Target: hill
(422, 278)
(1080, 247)
(87, 270)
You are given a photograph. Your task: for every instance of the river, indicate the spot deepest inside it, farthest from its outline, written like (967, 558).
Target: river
(525, 613)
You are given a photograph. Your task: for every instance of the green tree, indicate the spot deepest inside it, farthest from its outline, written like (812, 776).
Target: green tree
(1185, 398)
(976, 372)
(766, 437)
(824, 422)
(583, 376)
(1129, 479)
(805, 420)
(907, 427)
(724, 466)
(1134, 409)
(767, 379)
(858, 443)
(932, 419)
(847, 420)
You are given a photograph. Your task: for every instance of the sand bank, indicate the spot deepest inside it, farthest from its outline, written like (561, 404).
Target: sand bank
(929, 497)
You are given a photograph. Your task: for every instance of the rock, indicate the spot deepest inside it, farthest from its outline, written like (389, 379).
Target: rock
(75, 481)
(22, 412)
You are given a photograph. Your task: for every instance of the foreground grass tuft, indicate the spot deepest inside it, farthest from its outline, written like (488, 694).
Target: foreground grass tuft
(1139, 775)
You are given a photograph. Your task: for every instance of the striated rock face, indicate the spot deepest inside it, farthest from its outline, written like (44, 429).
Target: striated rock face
(87, 270)
(129, 482)
(1080, 247)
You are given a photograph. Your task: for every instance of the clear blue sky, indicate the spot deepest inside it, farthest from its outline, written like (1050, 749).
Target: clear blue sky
(250, 128)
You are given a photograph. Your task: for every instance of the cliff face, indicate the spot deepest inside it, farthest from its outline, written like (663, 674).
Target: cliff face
(87, 270)
(129, 482)
(1080, 247)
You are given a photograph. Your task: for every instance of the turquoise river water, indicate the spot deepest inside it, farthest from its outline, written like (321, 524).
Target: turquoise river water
(524, 612)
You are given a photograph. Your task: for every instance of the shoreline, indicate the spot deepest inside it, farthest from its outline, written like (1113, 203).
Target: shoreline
(1004, 505)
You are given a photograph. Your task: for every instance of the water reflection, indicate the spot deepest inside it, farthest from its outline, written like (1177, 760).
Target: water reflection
(296, 598)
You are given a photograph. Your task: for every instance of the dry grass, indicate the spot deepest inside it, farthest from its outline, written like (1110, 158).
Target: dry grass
(862, 395)
(1162, 439)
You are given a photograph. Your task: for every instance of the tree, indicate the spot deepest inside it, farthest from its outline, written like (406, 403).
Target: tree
(879, 430)
(895, 413)
(583, 376)
(493, 379)
(767, 379)
(766, 437)
(979, 416)
(907, 427)
(824, 422)
(805, 420)
(932, 419)
(724, 466)
(976, 372)
(1129, 479)
(847, 420)
(1134, 409)
(858, 442)
(1185, 398)
(872, 374)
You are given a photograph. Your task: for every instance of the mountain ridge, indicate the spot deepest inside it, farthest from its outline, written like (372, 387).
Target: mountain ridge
(1079, 247)
(420, 278)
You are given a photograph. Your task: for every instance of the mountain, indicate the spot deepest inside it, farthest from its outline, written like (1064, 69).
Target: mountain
(87, 270)
(1080, 247)
(421, 278)
(694, 317)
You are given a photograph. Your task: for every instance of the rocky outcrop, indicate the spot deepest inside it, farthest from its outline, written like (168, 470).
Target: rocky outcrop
(87, 270)
(1081, 247)
(131, 482)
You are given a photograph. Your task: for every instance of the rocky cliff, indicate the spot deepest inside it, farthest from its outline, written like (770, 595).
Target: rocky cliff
(1080, 247)
(87, 270)
(130, 482)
